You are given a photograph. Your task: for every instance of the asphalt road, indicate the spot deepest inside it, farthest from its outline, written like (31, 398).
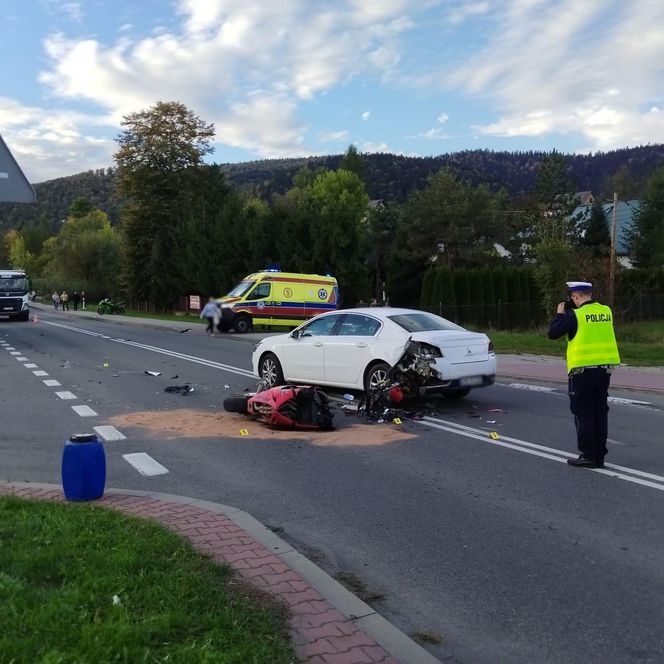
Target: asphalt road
(497, 546)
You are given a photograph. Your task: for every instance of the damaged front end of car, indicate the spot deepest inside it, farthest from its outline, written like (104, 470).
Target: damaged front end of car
(416, 369)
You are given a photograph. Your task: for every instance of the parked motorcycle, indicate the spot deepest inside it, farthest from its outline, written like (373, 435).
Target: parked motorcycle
(108, 307)
(287, 407)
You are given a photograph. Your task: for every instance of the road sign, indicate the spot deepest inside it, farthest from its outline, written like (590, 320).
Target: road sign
(14, 186)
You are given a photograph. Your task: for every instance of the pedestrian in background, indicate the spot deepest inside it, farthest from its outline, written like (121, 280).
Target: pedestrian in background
(56, 300)
(210, 311)
(592, 353)
(82, 300)
(75, 299)
(64, 300)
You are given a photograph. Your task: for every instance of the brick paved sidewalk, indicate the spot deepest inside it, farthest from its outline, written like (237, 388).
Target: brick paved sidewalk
(320, 634)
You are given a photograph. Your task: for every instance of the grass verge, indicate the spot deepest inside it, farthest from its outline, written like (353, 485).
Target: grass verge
(640, 344)
(61, 566)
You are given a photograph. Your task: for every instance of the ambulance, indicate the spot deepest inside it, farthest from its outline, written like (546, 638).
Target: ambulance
(274, 298)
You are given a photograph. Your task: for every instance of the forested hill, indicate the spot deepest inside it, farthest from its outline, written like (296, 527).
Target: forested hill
(389, 177)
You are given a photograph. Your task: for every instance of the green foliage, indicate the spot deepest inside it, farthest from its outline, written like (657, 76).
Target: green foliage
(337, 201)
(159, 169)
(383, 223)
(352, 161)
(646, 237)
(596, 239)
(428, 296)
(85, 255)
(80, 207)
(450, 218)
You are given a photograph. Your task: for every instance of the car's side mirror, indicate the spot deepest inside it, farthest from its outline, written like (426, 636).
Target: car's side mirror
(295, 334)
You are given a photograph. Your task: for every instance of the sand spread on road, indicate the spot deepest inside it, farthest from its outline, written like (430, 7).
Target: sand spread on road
(191, 423)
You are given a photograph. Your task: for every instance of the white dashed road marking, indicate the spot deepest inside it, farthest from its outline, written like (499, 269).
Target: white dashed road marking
(15, 352)
(145, 464)
(40, 373)
(30, 366)
(51, 383)
(84, 411)
(22, 359)
(109, 433)
(66, 395)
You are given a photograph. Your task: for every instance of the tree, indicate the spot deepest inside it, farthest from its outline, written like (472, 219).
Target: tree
(352, 161)
(452, 219)
(553, 227)
(336, 205)
(85, 255)
(159, 165)
(596, 237)
(646, 236)
(80, 207)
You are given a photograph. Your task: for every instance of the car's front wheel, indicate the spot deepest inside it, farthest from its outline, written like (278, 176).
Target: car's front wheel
(375, 375)
(269, 370)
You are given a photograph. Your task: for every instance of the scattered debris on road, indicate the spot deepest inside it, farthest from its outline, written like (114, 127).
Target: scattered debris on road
(153, 373)
(179, 389)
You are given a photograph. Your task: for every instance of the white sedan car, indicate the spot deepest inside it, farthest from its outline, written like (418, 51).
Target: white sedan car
(355, 349)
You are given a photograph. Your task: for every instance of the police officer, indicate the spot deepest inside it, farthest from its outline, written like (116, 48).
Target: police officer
(592, 353)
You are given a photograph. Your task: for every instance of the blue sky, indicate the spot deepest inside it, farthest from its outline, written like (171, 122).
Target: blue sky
(288, 78)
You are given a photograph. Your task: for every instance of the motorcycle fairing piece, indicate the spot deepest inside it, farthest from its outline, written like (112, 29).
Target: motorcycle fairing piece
(290, 407)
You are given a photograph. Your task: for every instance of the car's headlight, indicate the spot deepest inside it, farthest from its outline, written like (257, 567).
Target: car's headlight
(225, 305)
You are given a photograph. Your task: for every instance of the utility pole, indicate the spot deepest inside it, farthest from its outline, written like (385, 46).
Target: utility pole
(612, 255)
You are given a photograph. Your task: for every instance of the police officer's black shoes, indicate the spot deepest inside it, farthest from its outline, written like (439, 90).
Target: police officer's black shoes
(586, 462)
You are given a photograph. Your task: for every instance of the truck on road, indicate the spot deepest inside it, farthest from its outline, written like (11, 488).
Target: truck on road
(14, 294)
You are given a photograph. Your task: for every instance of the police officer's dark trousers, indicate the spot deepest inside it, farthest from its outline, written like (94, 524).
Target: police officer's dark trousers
(588, 395)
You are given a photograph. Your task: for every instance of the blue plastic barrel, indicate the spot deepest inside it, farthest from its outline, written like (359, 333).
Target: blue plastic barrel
(83, 467)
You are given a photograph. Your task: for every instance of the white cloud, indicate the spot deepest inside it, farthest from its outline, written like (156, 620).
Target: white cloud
(224, 51)
(333, 136)
(588, 68)
(434, 133)
(366, 115)
(459, 14)
(370, 147)
(443, 118)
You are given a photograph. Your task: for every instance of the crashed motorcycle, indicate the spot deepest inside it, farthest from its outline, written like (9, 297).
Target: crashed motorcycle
(286, 407)
(404, 380)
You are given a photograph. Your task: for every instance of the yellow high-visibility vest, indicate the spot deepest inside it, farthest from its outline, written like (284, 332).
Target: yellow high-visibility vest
(595, 341)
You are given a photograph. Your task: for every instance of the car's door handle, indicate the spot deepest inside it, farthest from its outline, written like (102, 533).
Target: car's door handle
(361, 344)
(318, 344)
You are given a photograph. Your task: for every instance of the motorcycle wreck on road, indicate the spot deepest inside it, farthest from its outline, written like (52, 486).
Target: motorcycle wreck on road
(302, 407)
(404, 380)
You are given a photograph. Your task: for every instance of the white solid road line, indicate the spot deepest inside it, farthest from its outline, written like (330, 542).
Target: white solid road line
(553, 390)
(145, 464)
(40, 373)
(157, 349)
(109, 433)
(553, 454)
(84, 411)
(49, 382)
(532, 388)
(66, 395)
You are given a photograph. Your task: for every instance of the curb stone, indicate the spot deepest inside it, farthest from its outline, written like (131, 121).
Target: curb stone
(329, 624)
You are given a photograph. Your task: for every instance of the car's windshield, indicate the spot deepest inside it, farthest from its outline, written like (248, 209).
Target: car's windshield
(422, 321)
(241, 289)
(13, 283)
